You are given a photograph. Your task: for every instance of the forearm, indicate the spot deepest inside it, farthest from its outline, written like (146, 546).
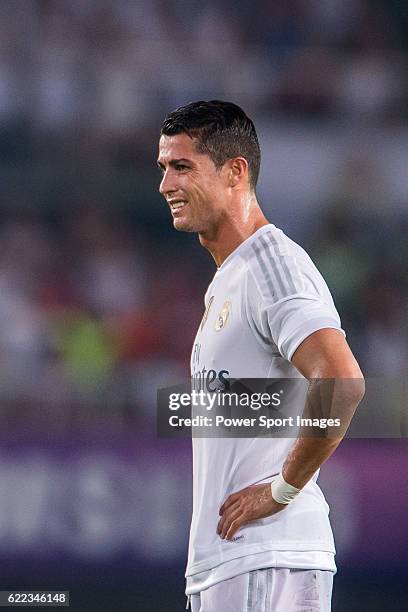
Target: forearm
(305, 457)
(326, 399)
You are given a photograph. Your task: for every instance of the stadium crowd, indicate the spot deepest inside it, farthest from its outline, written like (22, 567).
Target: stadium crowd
(98, 304)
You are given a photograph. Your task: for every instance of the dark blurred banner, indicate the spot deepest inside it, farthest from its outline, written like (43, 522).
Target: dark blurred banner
(126, 502)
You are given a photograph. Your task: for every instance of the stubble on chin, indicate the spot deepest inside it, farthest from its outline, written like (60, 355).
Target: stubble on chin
(183, 227)
(191, 226)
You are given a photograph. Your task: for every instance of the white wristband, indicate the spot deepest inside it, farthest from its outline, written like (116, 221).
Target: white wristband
(282, 491)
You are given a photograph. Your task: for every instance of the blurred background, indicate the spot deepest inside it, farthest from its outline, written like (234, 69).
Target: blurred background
(100, 298)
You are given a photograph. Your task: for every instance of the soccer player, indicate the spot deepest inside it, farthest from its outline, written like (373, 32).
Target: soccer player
(260, 536)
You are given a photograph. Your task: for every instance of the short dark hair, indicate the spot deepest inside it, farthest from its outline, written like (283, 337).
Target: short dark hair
(222, 131)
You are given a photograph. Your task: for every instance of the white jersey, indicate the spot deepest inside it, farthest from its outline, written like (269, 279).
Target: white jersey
(264, 300)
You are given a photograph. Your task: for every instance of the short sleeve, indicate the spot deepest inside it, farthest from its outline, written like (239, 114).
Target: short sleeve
(293, 319)
(282, 319)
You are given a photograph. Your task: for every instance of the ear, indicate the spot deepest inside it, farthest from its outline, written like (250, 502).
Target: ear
(238, 171)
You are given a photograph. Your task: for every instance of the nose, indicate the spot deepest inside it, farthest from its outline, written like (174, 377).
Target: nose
(167, 184)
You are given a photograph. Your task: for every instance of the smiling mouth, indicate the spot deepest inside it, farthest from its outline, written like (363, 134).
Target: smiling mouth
(177, 205)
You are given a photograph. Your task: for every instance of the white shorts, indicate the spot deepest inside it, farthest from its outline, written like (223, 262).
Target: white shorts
(269, 590)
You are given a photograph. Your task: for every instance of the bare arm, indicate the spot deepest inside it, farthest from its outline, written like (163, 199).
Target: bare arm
(325, 354)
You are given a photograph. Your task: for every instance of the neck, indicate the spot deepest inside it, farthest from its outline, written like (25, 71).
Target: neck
(230, 231)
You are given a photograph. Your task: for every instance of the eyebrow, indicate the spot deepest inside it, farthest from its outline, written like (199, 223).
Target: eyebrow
(175, 162)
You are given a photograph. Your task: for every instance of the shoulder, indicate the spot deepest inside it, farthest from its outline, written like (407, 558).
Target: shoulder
(279, 267)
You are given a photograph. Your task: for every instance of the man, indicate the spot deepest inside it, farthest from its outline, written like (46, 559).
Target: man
(260, 536)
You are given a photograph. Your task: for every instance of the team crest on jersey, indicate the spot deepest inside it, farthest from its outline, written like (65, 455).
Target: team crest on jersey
(223, 316)
(207, 310)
